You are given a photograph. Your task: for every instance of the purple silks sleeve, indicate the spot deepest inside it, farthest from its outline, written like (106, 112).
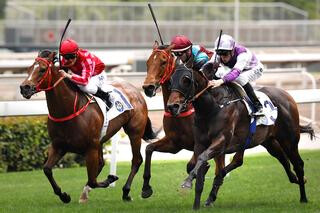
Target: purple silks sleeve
(232, 75)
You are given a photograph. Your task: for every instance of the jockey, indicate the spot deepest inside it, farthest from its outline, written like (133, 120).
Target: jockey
(241, 66)
(85, 69)
(193, 56)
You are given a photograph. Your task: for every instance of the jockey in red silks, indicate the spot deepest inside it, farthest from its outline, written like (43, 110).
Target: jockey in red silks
(84, 69)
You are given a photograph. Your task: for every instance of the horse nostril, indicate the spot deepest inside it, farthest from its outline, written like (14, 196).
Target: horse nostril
(149, 90)
(173, 108)
(25, 87)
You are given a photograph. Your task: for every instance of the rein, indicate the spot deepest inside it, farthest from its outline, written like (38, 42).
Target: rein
(48, 74)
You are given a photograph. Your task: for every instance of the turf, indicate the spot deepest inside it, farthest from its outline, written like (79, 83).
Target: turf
(260, 185)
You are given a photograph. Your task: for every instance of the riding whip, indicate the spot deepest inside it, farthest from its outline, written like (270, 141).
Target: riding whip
(215, 57)
(155, 21)
(64, 31)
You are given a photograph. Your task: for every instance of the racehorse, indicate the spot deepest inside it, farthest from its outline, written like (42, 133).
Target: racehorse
(222, 126)
(178, 130)
(75, 124)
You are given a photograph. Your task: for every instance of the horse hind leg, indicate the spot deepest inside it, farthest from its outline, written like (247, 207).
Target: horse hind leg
(291, 150)
(275, 150)
(135, 141)
(54, 156)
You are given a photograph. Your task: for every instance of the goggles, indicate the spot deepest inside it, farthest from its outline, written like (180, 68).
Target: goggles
(179, 53)
(69, 56)
(223, 52)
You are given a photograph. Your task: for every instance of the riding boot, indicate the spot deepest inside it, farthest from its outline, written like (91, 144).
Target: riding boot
(105, 96)
(254, 99)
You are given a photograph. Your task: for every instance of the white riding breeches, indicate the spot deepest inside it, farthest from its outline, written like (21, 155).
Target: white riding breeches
(94, 83)
(245, 76)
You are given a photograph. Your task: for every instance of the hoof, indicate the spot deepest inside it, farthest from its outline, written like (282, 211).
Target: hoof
(112, 178)
(81, 200)
(127, 199)
(146, 193)
(187, 184)
(64, 197)
(196, 207)
(209, 202)
(303, 200)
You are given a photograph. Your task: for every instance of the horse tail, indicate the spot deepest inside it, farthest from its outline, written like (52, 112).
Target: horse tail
(149, 133)
(307, 129)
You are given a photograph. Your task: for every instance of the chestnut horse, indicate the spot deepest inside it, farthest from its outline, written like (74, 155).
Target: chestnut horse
(74, 125)
(222, 127)
(178, 130)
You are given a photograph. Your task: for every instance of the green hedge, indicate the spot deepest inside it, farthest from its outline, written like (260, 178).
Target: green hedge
(24, 142)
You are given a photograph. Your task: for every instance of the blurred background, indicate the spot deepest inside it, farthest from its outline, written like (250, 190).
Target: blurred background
(285, 35)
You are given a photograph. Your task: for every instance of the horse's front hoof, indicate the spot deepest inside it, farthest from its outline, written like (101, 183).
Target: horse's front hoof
(187, 184)
(83, 200)
(126, 198)
(146, 192)
(112, 178)
(64, 197)
(303, 200)
(209, 202)
(196, 207)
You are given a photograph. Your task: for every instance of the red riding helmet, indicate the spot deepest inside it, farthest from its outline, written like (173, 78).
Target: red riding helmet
(181, 43)
(69, 46)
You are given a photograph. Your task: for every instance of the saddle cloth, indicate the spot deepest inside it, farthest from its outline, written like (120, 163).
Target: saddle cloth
(120, 104)
(270, 111)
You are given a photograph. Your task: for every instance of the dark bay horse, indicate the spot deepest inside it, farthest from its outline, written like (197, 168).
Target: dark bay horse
(74, 125)
(222, 128)
(178, 130)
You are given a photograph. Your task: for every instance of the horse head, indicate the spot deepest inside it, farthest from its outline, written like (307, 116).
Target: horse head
(160, 66)
(41, 74)
(186, 86)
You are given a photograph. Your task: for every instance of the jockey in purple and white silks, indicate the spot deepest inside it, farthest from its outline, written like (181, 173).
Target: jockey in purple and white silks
(238, 64)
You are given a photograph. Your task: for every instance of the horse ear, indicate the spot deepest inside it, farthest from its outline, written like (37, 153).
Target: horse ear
(155, 45)
(171, 46)
(52, 55)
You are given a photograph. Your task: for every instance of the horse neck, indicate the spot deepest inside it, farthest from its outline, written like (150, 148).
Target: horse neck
(165, 93)
(60, 99)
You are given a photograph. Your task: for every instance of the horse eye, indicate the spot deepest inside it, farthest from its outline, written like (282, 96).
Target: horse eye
(186, 81)
(42, 70)
(163, 63)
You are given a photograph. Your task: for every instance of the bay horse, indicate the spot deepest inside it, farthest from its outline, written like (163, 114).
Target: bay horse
(178, 130)
(222, 126)
(75, 124)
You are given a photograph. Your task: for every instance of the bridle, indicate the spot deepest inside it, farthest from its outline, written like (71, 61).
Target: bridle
(169, 67)
(47, 74)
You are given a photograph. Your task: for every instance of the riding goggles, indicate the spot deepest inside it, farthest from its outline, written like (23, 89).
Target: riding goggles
(223, 52)
(69, 56)
(179, 53)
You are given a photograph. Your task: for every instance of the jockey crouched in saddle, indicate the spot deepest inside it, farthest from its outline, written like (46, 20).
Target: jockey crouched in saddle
(244, 65)
(84, 69)
(193, 56)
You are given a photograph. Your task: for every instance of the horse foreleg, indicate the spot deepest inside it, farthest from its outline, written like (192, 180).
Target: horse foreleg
(163, 145)
(236, 162)
(199, 185)
(214, 149)
(53, 157)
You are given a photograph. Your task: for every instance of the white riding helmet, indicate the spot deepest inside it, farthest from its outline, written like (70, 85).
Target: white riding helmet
(226, 43)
